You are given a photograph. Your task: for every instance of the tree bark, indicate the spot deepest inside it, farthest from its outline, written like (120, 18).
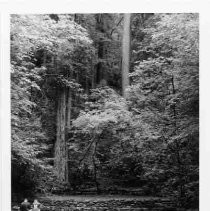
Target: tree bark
(93, 80)
(61, 155)
(68, 109)
(68, 125)
(100, 71)
(86, 83)
(126, 53)
(44, 58)
(99, 68)
(95, 167)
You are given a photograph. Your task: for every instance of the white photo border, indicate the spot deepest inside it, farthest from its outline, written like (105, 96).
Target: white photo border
(8, 7)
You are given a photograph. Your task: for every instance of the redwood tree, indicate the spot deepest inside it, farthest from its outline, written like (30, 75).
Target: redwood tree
(126, 53)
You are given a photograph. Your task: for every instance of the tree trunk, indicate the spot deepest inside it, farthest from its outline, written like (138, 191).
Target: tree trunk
(68, 109)
(95, 168)
(86, 83)
(68, 125)
(93, 81)
(100, 71)
(60, 163)
(99, 68)
(180, 175)
(174, 92)
(44, 58)
(126, 53)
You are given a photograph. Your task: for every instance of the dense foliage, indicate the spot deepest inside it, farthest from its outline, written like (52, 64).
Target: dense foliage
(165, 95)
(148, 142)
(41, 49)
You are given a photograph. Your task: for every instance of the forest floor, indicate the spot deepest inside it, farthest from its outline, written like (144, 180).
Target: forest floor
(99, 197)
(106, 202)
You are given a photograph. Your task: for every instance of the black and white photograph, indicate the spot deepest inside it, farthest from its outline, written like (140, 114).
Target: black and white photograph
(104, 111)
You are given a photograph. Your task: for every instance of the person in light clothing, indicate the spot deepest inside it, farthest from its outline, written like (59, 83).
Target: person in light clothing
(36, 205)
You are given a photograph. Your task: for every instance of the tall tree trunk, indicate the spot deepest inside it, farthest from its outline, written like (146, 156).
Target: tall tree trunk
(60, 163)
(44, 58)
(95, 167)
(69, 103)
(68, 110)
(180, 173)
(93, 80)
(100, 67)
(174, 92)
(126, 53)
(86, 83)
(68, 125)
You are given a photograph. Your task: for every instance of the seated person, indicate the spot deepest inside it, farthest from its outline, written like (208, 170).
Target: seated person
(25, 205)
(36, 205)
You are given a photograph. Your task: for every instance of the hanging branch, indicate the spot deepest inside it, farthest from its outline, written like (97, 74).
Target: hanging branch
(116, 26)
(86, 151)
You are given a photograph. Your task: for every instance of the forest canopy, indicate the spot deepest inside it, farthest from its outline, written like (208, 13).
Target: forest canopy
(106, 102)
